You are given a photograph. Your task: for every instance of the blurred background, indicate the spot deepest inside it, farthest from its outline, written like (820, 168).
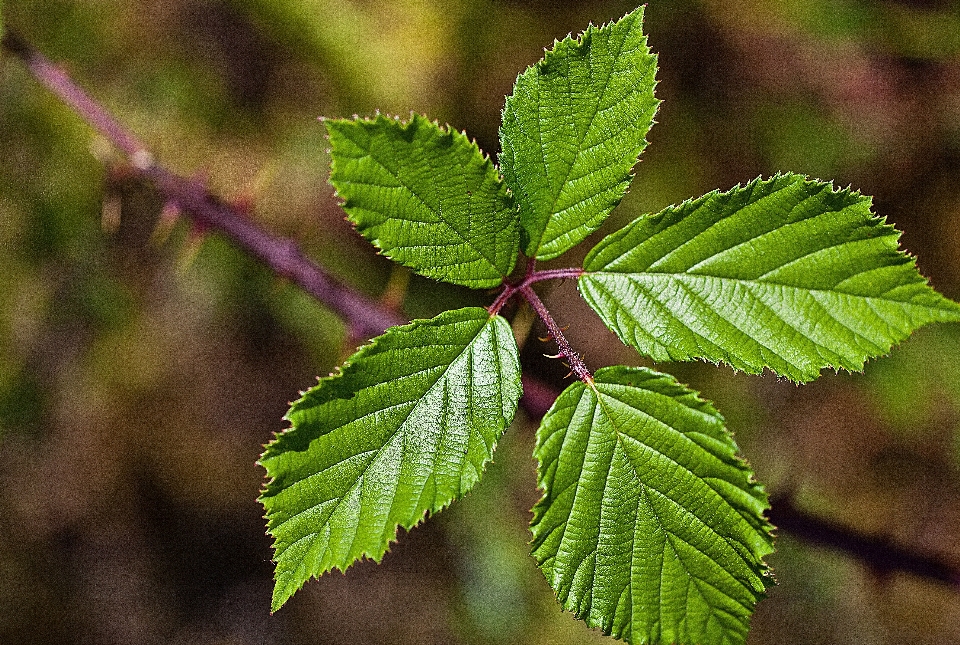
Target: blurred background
(143, 365)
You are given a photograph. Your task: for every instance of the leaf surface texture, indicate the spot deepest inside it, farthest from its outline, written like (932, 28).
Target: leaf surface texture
(427, 197)
(784, 273)
(405, 428)
(650, 527)
(572, 131)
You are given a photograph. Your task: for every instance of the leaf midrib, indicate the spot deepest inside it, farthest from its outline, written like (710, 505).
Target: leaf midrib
(789, 360)
(646, 487)
(681, 275)
(684, 279)
(602, 409)
(582, 138)
(620, 435)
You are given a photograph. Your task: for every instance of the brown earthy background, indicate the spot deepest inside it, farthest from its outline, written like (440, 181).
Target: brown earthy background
(143, 366)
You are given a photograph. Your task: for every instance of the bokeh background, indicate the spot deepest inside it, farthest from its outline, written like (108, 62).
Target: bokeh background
(143, 365)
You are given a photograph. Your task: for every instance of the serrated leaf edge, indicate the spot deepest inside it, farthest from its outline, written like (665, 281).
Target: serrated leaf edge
(487, 165)
(280, 598)
(798, 374)
(577, 43)
(764, 528)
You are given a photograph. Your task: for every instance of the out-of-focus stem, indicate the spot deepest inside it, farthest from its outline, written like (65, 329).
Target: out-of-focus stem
(365, 317)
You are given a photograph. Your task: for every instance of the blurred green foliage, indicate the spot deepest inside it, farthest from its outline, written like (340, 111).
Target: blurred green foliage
(139, 377)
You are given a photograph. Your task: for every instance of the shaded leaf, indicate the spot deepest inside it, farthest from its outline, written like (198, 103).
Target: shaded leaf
(573, 129)
(651, 527)
(785, 273)
(427, 197)
(404, 429)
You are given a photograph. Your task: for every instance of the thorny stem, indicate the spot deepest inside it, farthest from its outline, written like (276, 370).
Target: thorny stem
(524, 289)
(508, 292)
(576, 363)
(283, 256)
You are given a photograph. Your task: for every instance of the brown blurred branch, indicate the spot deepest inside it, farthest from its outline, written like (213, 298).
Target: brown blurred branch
(365, 316)
(879, 553)
(368, 317)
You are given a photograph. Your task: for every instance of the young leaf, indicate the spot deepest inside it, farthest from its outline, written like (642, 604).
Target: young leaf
(785, 273)
(650, 527)
(573, 129)
(427, 197)
(405, 428)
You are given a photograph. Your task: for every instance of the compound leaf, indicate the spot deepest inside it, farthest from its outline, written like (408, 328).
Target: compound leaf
(573, 130)
(784, 273)
(406, 427)
(651, 527)
(427, 197)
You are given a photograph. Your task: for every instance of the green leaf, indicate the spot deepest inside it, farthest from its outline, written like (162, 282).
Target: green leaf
(572, 132)
(427, 197)
(651, 527)
(406, 427)
(784, 273)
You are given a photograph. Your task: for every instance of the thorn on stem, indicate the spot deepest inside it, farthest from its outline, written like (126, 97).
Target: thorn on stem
(549, 336)
(165, 223)
(191, 247)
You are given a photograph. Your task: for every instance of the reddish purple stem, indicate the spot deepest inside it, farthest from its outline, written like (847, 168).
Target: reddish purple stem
(530, 278)
(575, 362)
(524, 289)
(365, 316)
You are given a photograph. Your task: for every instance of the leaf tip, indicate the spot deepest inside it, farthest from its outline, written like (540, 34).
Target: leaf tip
(281, 594)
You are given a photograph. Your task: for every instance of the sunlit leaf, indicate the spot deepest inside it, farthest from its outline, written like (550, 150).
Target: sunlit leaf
(651, 527)
(427, 197)
(784, 273)
(404, 429)
(573, 129)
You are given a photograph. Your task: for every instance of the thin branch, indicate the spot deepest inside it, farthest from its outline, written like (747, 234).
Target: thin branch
(532, 276)
(508, 292)
(879, 553)
(576, 363)
(364, 315)
(57, 81)
(553, 274)
(368, 318)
